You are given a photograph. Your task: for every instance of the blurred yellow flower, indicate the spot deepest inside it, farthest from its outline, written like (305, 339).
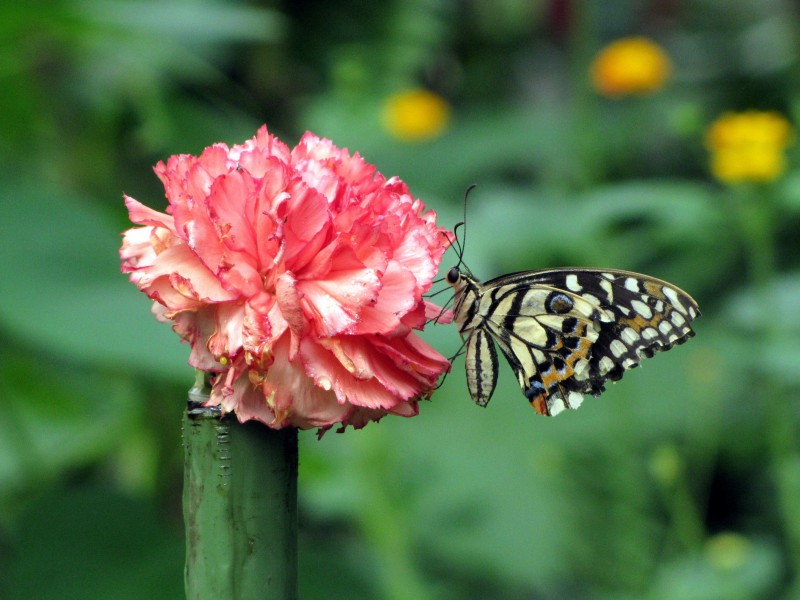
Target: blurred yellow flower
(633, 65)
(415, 115)
(728, 551)
(748, 146)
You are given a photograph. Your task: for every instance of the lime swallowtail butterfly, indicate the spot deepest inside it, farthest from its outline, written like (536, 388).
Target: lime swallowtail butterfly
(565, 332)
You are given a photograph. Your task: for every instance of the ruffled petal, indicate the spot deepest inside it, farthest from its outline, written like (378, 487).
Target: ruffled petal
(188, 275)
(296, 276)
(397, 297)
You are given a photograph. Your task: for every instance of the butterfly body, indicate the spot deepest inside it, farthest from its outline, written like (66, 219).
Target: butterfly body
(565, 332)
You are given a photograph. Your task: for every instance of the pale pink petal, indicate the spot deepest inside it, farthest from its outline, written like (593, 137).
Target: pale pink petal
(214, 162)
(188, 275)
(334, 304)
(414, 356)
(197, 327)
(234, 392)
(293, 398)
(137, 251)
(414, 254)
(360, 417)
(232, 209)
(437, 313)
(163, 291)
(329, 373)
(251, 404)
(255, 154)
(227, 338)
(289, 302)
(306, 225)
(396, 298)
(144, 215)
(240, 277)
(358, 356)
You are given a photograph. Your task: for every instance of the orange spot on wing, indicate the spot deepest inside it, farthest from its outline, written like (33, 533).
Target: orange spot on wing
(539, 404)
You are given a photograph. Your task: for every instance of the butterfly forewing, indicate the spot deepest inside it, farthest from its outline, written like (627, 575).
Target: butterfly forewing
(565, 332)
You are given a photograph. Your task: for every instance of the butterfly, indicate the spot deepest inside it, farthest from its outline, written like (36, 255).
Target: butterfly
(565, 332)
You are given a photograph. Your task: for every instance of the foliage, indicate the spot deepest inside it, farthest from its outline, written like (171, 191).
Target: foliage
(682, 481)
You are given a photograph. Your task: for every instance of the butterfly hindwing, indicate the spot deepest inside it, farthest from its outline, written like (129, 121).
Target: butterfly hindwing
(546, 335)
(645, 315)
(566, 332)
(482, 366)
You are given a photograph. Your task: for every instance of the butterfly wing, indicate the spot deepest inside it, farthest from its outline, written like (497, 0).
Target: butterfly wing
(566, 332)
(482, 366)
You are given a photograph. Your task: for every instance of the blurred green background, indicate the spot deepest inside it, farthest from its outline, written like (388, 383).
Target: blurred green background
(682, 481)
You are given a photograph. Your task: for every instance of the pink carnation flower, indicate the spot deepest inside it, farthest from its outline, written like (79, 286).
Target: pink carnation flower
(297, 276)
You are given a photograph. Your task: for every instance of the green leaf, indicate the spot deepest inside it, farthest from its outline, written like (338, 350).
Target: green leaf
(64, 292)
(56, 417)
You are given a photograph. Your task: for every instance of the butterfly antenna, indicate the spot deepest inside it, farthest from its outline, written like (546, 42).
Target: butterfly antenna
(455, 242)
(459, 245)
(471, 187)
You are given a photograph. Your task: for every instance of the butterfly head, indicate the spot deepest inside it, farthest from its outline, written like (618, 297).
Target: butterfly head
(453, 276)
(460, 278)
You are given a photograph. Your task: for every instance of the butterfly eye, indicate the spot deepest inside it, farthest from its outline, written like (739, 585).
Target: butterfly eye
(453, 275)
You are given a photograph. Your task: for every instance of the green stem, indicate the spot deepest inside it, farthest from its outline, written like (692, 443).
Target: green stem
(387, 525)
(688, 522)
(584, 101)
(669, 469)
(757, 222)
(239, 506)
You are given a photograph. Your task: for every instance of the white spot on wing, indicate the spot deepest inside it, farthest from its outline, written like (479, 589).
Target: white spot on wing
(591, 299)
(608, 289)
(677, 319)
(632, 284)
(618, 348)
(572, 283)
(649, 333)
(630, 335)
(555, 405)
(606, 364)
(672, 296)
(581, 369)
(642, 308)
(575, 399)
